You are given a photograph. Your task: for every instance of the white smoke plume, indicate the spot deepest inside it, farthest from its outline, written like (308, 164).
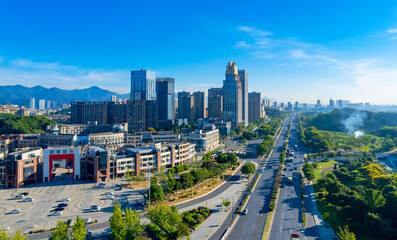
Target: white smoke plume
(354, 122)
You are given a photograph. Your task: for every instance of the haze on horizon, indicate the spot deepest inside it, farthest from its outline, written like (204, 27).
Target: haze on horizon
(292, 50)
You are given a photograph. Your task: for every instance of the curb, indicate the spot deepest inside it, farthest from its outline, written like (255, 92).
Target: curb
(212, 189)
(263, 237)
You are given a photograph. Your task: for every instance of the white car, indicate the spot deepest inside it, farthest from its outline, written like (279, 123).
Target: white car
(101, 185)
(57, 213)
(65, 199)
(18, 210)
(95, 208)
(87, 220)
(108, 193)
(29, 199)
(109, 197)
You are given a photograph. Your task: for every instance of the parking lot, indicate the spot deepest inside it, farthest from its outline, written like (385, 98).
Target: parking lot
(36, 215)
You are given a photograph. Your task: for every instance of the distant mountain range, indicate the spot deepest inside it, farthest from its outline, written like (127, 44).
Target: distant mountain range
(18, 94)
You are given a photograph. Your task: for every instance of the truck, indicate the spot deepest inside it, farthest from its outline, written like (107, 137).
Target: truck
(289, 180)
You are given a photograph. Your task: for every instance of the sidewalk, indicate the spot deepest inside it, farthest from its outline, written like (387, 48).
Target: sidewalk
(212, 223)
(313, 216)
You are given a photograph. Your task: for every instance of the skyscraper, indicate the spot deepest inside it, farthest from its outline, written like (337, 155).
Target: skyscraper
(215, 102)
(199, 105)
(32, 103)
(143, 85)
(243, 75)
(232, 96)
(331, 103)
(254, 105)
(165, 89)
(42, 104)
(186, 106)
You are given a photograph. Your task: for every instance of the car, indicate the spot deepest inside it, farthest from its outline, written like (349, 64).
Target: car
(244, 212)
(19, 196)
(118, 188)
(63, 205)
(295, 168)
(109, 197)
(65, 199)
(101, 185)
(25, 193)
(15, 211)
(57, 213)
(69, 222)
(294, 236)
(282, 186)
(284, 174)
(138, 204)
(108, 193)
(59, 209)
(87, 220)
(95, 208)
(29, 199)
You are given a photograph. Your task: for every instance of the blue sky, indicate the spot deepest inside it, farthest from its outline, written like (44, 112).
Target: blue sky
(292, 50)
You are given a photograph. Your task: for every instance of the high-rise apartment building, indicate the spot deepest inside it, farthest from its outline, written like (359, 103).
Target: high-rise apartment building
(243, 76)
(32, 103)
(254, 105)
(49, 104)
(199, 105)
(296, 104)
(142, 115)
(143, 85)
(85, 112)
(332, 104)
(186, 106)
(165, 88)
(42, 104)
(266, 103)
(232, 96)
(215, 102)
(340, 103)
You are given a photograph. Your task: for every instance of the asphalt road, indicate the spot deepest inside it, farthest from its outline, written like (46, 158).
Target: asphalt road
(250, 226)
(287, 218)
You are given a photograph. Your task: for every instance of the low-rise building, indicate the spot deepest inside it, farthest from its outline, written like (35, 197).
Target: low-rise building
(50, 140)
(205, 139)
(111, 141)
(21, 167)
(86, 129)
(96, 164)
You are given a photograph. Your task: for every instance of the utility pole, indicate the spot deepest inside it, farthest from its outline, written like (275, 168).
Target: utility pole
(149, 185)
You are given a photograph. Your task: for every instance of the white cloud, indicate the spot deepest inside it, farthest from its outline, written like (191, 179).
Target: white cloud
(299, 53)
(242, 44)
(393, 30)
(30, 73)
(254, 31)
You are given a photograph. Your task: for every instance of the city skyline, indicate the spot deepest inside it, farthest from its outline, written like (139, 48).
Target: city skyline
(300, 52)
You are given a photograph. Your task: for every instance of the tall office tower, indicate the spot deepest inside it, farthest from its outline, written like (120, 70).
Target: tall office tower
(289, 107)
(318, 103)
(143, 85)
(199, 105)
(142, 115)
(42, 104)
(215, 102)
(331, 103)
(114, 98)
(232, 96)
(340, 103)
(186, 106)
(32, 103)
(243, 76)
(165, 88)
(49, 104)
(296, 104)
(282, 105)
(254, 105)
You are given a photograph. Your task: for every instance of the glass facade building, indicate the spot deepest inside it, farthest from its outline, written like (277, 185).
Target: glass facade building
(143, 85)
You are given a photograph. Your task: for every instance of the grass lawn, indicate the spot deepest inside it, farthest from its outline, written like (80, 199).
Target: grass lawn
(321, 165)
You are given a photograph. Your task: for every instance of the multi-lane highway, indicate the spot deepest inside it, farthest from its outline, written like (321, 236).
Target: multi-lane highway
(250, 226)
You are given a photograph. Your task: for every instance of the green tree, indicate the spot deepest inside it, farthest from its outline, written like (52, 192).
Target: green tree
(150, 129)
(117, 224)
(133, 224)
(232, 134)
(18, 236)
(345, 234)
(248, 168)
(79, 231)
(232, 159)
(156, 193)
(187, 180)
(374, 198)
(60, 232)
(165, 216)
(226, 202)
(3, 233)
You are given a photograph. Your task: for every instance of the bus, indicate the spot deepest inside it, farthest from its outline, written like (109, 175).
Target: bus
(289, 180)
